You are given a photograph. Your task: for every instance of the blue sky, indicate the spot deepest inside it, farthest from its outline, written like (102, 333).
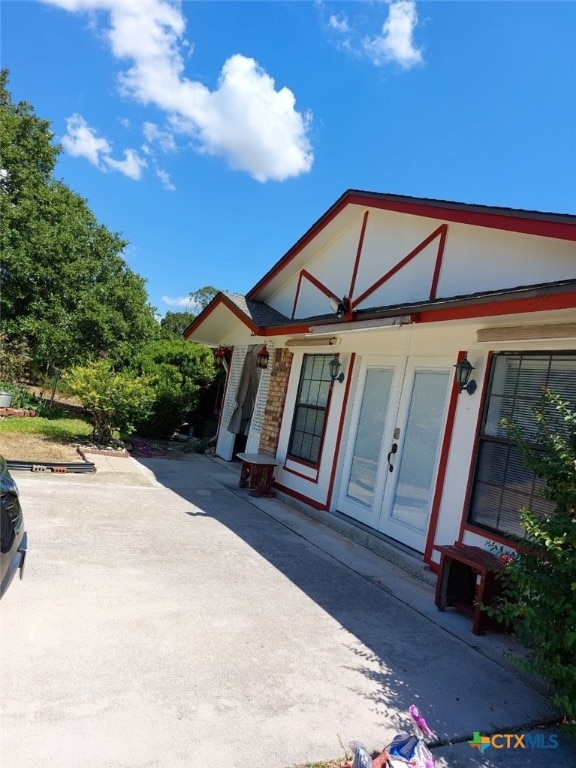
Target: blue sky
(212, 135)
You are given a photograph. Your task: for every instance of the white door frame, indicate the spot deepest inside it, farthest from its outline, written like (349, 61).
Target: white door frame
(379, 513)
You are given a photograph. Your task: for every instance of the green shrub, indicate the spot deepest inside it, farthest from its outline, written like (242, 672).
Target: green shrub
(115, 399)
(179, 371)
(539, 583)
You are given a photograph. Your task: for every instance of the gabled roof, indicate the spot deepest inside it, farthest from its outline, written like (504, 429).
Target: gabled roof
(220, 318)
(554, 225)
(222, 315)
(260, 313)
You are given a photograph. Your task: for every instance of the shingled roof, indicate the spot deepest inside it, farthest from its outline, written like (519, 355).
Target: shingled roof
(260, 313)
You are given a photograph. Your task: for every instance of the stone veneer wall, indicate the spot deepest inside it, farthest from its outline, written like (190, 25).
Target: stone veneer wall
(272, 420)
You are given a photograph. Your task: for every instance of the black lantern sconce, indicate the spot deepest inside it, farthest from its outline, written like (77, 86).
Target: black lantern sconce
(463, 371)
(335, 366)
(262, 358)
(340, 307)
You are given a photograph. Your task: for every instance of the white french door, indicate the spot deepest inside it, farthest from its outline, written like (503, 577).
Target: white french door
(391, 459)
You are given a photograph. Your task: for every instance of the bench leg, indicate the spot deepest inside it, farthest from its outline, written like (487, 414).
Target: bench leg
(261, 481)
(244, 475)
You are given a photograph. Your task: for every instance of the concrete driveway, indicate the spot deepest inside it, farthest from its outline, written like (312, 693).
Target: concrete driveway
(168, 620)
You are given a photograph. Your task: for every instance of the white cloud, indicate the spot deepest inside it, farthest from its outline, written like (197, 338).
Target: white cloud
(132, 165)
(338, 23)
(165, 179)
(181, 301)
(395, 44)
(245, 120)
(164, 138)
(248, 122)
(81, 140)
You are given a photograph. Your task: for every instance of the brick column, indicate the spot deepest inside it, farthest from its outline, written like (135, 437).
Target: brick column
(274, 409)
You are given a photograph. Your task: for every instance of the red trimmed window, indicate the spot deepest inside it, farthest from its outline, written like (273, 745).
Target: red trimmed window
(502, 484)
(310, 410)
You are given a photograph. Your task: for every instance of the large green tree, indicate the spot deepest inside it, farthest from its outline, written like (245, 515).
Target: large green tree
(173, 324)
(201, 297)
(66, 289)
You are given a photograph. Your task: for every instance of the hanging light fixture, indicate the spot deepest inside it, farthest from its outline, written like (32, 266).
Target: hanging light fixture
(262, 358)
(219, 355)
(334, 366)
(340, 307)
(463, 370)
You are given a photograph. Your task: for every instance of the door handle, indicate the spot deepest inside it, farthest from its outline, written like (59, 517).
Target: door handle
(393, 450)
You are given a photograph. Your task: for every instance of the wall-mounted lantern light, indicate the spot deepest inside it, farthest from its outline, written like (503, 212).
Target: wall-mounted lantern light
(335, 366)
(463, 371)
(262, 357)
(340, 307)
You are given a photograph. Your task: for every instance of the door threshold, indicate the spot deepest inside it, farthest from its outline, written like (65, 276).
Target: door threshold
(404, 557)
(400, 554)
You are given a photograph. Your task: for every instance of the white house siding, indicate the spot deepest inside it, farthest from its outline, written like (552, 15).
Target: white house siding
(427, 340)
(408, 343)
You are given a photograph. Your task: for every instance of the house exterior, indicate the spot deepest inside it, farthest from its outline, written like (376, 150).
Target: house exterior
(399, 290)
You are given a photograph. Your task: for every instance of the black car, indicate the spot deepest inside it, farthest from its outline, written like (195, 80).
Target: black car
(13, 538)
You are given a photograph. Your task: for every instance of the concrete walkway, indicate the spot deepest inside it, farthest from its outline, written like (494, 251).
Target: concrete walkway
(168, 619)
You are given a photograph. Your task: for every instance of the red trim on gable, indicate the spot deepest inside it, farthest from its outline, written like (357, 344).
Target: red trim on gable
(441, 230)
(462, 215)
(358, 254)
(509, 222)
(221, 299)
(321, 287)
(438, 266)
(296, 295)
(300, 245)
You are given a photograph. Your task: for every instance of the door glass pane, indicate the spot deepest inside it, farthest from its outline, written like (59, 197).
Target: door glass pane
(371, 423)
(423, 429)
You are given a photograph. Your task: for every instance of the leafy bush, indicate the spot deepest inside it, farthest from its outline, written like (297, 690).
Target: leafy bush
(115, 399)
(180, 370)
(539, 583)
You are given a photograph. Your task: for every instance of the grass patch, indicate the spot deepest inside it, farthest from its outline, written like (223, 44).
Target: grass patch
(63, 428)
(40, 438)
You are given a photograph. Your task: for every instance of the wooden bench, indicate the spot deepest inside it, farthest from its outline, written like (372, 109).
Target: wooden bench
(467, 577)
(257, 473)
